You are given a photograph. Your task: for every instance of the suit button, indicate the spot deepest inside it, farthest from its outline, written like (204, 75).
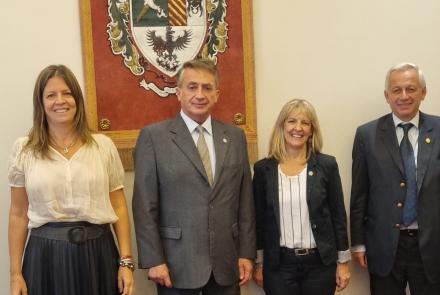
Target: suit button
(402, 184)
(399, 204)
(397, 225)
(314, 226)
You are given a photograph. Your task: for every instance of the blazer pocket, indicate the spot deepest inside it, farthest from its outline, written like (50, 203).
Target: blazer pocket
(232, 166)
(235, 230)
(232, 169)
(174, 233)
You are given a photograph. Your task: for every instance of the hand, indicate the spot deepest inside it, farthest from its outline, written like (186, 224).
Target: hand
(361, 258)
(125, 281)
(258, 275)
(342, 276)
(245, 268)
(160, 275)
(18, 285)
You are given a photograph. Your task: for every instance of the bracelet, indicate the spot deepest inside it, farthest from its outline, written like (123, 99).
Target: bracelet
(126, 256)
(127, 261)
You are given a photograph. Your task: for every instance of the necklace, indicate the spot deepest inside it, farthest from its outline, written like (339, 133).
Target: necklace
(66, 148)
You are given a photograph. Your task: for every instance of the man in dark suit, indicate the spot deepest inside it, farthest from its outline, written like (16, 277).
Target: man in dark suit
(192, 204)
(395, 197)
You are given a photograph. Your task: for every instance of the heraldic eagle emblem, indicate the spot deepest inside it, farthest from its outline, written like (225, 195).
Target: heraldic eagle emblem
(161, 35)
(168, 32)
(165, 47)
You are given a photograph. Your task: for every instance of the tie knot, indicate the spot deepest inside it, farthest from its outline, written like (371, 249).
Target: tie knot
(200, 129)
(406, 127)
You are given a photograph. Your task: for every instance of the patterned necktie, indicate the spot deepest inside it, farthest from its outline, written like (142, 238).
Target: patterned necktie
(204, 154)
(407, 153)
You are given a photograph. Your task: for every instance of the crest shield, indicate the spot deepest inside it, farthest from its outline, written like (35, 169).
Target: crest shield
(168, 32)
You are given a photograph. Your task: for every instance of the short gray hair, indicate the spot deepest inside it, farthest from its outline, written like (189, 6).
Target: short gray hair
(403, 67)
(199, 64)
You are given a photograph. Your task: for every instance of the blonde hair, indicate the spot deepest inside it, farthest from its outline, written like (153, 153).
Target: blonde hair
(38, 142)
(277, 145)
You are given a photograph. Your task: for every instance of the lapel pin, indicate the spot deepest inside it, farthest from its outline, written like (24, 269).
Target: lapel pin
(225, 140)
(310, 173)
(428, 140)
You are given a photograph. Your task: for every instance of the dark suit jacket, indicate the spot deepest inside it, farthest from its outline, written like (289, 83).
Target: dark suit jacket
(179, 219)
(325, 203)
(379, 186)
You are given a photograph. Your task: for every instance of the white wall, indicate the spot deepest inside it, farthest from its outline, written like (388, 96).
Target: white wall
(333, 53)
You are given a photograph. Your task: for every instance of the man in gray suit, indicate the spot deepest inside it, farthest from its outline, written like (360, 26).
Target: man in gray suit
(192, 203)
(395, 197)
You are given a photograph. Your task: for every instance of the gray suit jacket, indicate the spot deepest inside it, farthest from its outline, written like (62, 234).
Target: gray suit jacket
(378, 186)
(179, 219)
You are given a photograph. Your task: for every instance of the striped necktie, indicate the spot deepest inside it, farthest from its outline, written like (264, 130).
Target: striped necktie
(204, 154)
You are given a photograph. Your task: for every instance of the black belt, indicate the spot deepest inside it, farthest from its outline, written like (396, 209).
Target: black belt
(409, 232)
(300, 251)
(74, 232)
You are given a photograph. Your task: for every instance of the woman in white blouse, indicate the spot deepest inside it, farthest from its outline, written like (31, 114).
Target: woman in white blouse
(67, 188)
(301, 221)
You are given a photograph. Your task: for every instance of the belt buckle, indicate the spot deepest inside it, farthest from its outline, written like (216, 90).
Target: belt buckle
(301, 252)
(77, 234)
(411, 232)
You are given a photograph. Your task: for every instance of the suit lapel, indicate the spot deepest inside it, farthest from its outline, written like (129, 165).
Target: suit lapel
(221, 146)
(182, 138)
(272, 185)
(387, 135)
(426, 142)
(311, 177)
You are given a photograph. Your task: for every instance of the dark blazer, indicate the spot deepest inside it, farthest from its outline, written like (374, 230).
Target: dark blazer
(325, 203)
(179, 219)
(378, 192)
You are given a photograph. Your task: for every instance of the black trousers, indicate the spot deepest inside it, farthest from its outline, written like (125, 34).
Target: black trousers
(300, 275)
(211, 288)
(407, 269)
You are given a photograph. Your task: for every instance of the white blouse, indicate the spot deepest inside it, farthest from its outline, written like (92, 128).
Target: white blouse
(296, 230)
(75, 189)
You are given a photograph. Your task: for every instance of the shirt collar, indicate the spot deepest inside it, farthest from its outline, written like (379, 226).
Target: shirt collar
(192, 125)
(414, 121)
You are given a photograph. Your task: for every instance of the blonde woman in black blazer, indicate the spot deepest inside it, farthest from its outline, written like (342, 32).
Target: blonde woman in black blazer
(301, 220)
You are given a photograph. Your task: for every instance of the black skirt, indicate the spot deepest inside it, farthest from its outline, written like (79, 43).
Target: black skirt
(85, 263)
